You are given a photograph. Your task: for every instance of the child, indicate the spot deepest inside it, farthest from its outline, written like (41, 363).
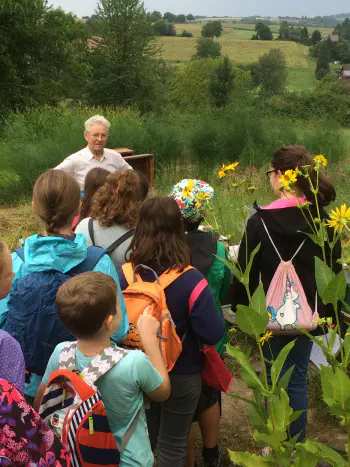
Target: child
(89, 307)
(286, 225)
(160, 243)
(11, 357)
(93, 181)
(205, 250)
(115, 208)
(42, 266)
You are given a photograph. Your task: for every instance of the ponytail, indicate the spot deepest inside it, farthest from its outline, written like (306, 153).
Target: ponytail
(56, 198)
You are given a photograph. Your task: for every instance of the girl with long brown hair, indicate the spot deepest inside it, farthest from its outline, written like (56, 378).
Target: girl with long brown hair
(160, 244)
(115, 208)
(282, 226)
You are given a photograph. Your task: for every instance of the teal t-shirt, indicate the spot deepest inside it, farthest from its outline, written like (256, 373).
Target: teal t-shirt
(122, 390)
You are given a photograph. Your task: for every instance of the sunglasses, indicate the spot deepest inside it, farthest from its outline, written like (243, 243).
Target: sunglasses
(269, 172)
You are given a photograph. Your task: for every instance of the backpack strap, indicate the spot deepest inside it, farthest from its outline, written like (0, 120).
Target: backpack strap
(66, 359)
(91, 230)
(102, 363)
(94, 254)
(120, 240)
(129, 432)
(131, 276)
(169, 276)
(20, 253)
(280, 257)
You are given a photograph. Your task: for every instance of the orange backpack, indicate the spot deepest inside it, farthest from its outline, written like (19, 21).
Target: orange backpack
(138, 295)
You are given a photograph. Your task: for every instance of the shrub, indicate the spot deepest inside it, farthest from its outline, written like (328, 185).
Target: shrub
(186, 33)
(207, 48)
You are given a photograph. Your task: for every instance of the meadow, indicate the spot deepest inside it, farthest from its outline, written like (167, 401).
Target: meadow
(182, 49)
(186, 145)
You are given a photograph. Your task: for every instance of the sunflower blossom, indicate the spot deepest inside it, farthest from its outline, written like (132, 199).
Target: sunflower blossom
(202, 198)
(288, 178)
(339, 218)
(227, 168)
(265, 337)
(320, 161)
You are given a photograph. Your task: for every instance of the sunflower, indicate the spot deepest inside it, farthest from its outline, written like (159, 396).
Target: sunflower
(227, 168)
(339, 218)
(265, 337)
(289, 177)
(232, 166)
(320, 161)
(202, 198)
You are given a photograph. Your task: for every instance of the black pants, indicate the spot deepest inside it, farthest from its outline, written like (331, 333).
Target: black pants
(169, 422)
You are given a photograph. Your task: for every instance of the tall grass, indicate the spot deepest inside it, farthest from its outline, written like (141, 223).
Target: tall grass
(186, 144)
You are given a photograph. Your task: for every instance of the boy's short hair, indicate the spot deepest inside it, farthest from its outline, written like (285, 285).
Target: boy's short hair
(85, 301)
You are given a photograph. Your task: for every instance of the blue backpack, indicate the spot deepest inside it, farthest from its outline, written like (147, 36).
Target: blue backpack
(32, 318)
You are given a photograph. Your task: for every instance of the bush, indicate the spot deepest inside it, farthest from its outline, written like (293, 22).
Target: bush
(270, 72)
(207, 48)
(186, 33)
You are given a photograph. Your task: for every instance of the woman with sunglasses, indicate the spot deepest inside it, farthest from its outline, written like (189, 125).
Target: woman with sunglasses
(287, 226)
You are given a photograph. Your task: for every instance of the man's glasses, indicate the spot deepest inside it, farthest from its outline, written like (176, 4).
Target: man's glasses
(96, 135)
(269, 172)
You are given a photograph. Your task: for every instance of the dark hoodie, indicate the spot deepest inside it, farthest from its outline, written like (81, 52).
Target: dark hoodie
(285, 226)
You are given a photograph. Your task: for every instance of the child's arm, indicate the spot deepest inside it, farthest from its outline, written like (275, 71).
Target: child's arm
(148, 328)
(38, 396)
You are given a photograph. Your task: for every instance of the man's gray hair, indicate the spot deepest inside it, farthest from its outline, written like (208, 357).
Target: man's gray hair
(97, 120)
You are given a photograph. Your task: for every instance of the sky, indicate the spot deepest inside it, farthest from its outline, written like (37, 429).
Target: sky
(223, 7)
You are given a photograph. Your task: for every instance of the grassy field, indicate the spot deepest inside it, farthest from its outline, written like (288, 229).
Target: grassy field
(182, 49)
(301, 79)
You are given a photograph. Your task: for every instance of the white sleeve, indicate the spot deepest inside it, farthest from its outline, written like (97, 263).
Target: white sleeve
(67, 165)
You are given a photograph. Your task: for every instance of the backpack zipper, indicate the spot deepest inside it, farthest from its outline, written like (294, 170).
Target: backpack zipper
(91, 425)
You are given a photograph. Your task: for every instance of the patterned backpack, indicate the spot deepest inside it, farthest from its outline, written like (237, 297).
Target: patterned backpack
(73, 408)
(286, 302)
(138, 295)
(25, 439)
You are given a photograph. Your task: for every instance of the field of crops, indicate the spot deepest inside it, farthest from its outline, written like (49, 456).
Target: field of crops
(243, 51)
(196, 28)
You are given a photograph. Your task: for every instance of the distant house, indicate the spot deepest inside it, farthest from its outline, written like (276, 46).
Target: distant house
(332, 37)
(345, 74)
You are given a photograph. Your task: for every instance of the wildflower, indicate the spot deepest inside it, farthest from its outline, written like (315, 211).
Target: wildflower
(251, 189)
(339, 218)
(321, 321)
(232, 166)
(265, 337)
(329, 321)
(202, 198)
(320, 161)
(227, 168)
(187, 192)
(289, 177)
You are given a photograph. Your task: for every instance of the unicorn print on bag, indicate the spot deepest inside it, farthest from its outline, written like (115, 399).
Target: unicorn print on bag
(287, 313)
(286, 302)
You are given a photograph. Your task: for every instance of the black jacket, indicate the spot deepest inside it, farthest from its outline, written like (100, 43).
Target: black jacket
(285, 227)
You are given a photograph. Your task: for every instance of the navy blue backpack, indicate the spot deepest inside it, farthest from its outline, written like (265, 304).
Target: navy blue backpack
(32, 318)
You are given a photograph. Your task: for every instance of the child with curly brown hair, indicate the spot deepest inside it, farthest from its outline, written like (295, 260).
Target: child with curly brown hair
(115, 208)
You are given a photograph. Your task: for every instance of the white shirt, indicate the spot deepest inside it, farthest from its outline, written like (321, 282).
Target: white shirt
(80, 163)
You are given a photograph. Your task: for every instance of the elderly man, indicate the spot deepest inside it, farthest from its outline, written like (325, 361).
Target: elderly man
(94, 155)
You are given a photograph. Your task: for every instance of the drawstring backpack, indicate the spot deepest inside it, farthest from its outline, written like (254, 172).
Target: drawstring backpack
(286, 302)
(72, 407)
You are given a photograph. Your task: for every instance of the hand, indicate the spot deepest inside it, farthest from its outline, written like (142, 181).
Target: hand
(148, 326)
